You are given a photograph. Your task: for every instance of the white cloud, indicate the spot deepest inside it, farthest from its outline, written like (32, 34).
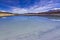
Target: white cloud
(33, 9)
(56, 8)
(3, 11)
(18, 10)
(36, 8)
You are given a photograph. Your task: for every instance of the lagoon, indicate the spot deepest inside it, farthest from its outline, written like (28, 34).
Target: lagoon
(29, 28)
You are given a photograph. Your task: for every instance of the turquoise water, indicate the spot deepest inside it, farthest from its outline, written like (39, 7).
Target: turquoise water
(29, 28)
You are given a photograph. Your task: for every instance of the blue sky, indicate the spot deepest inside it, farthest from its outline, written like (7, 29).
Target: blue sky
(25, 6)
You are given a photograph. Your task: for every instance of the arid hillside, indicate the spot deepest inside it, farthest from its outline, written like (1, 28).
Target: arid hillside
(5, 14)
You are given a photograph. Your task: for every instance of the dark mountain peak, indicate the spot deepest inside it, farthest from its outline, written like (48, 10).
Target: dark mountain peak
(57, 10)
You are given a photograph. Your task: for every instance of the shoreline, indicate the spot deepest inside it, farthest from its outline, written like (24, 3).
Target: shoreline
(51, 13)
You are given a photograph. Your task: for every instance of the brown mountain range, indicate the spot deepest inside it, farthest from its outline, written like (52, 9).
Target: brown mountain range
(49, 13)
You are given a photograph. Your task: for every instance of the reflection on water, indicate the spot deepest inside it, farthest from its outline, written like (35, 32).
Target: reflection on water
(27, 28)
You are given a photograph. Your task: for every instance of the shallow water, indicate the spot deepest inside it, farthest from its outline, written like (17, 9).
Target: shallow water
(29, 28)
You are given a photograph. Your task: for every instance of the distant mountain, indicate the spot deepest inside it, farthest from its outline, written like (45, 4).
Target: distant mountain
(49, 13)
(57, 10)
